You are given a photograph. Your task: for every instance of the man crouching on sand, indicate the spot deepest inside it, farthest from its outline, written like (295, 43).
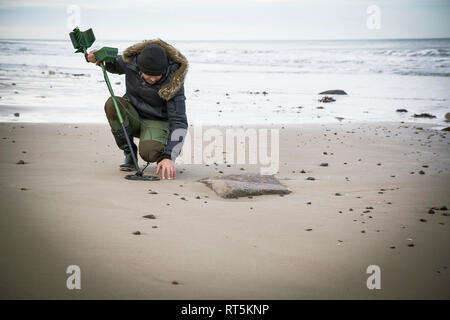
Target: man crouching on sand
(153, 107)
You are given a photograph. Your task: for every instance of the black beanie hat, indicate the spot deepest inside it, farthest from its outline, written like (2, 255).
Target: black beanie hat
(153, 60)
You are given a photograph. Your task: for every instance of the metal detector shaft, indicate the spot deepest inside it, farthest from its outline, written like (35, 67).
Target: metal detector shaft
(105, 75)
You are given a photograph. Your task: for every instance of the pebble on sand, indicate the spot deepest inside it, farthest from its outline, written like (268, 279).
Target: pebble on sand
(447, 117)
(424, 115)
(334, 91)
(149, 216)
(327, 99)
(137, 233)
(20, 162)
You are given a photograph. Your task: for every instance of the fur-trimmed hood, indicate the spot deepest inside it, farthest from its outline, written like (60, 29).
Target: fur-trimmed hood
(168, 90)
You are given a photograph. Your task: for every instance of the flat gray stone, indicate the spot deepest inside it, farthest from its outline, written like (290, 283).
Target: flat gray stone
(337, 91)
(244, 185)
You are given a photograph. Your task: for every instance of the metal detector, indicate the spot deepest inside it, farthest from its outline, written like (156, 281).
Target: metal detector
(82, 40)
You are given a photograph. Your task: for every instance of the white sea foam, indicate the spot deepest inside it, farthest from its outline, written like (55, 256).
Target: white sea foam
(53, 84)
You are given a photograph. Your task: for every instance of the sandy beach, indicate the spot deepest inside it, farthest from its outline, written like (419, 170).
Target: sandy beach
(69, 205)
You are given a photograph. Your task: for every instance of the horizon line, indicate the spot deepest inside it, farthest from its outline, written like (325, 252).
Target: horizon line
(342, 39)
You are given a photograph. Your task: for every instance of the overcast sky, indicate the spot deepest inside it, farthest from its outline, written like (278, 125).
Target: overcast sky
(227, 19)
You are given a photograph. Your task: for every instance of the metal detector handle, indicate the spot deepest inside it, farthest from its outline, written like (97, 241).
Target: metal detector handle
(105, 75)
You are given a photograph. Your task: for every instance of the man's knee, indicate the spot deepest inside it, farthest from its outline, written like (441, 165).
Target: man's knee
(151, 150)
(110, 109)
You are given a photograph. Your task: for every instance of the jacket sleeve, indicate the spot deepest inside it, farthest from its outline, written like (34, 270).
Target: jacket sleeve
(116, 66)
(176, 113)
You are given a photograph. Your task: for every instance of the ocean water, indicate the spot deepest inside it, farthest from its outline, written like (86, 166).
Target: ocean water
(45, 81)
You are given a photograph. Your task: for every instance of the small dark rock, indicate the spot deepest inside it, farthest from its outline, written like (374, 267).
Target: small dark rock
(401, 110)
(336, 91)
(20, 162)
(447, 117)
(424, 115)
(136, 233)
(149, 216)
(17, 114)
(327, 99)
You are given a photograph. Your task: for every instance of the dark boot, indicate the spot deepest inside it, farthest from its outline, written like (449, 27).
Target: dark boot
(119, 136)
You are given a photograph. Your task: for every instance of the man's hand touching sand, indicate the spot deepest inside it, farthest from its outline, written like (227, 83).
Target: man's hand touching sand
(168, 167)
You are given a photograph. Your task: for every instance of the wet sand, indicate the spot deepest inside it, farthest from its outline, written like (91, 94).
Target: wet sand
(69, 205)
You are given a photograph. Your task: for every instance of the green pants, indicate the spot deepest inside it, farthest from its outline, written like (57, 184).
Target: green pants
(152, 134)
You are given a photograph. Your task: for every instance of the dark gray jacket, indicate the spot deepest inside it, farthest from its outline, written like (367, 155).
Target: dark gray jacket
(164, 100)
